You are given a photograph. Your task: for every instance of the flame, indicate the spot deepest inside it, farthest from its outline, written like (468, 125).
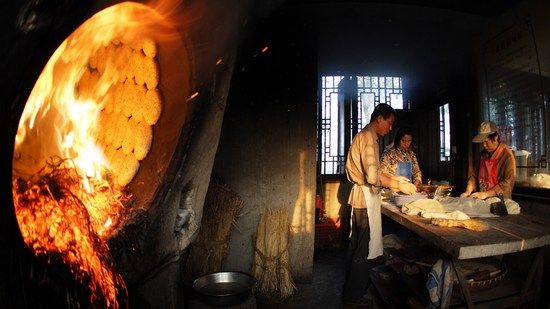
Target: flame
(65, 201)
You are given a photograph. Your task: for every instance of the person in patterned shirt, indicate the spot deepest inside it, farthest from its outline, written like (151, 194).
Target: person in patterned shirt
(401, 152)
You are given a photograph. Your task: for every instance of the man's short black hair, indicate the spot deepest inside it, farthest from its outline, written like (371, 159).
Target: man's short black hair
(383, 110)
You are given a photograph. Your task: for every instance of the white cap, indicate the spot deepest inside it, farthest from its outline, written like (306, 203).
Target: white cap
(485, 129)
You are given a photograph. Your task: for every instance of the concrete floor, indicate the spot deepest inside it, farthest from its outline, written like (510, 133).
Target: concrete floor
(325, 290)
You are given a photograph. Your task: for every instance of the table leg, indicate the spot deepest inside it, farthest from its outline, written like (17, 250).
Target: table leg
(463, 285)
(534, 279)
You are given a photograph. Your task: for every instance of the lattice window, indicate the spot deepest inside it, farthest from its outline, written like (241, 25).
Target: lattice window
(345, 107)
(514, 94)
(372, 90)
(331, 150)
(444, 133)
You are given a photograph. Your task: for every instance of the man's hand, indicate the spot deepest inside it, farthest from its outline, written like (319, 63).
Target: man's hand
(407, 188)
(401, 179)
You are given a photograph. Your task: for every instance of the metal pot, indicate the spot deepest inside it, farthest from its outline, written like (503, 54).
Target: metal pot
(226, 288)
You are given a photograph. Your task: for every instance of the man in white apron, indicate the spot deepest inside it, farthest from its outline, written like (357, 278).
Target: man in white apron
(363, 170)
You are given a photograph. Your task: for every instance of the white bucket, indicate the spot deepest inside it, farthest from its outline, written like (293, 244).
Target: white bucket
(521, 157)
(521, 165)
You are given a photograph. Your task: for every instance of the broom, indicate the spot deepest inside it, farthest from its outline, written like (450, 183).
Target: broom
(271, 266)
(221, 208)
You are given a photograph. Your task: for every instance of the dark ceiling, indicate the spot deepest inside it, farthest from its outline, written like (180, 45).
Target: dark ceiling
(486, 8)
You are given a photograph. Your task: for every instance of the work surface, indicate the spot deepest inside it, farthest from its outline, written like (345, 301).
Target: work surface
(507, 234)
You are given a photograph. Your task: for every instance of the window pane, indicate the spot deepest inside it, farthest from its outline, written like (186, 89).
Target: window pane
(382, 82)
(396, 100)
(447, 120)
(329, 83)
(383, 96)
(444, 133)
(367, 106)
(334, 125)
(389, 83)
(397, 82)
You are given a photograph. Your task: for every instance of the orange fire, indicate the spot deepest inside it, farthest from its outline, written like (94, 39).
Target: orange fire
(66, 202)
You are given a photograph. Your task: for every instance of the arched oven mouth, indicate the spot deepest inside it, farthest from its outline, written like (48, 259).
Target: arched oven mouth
(100, 140)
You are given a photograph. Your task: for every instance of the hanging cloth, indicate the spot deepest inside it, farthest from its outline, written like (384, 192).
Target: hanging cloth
(373, 201)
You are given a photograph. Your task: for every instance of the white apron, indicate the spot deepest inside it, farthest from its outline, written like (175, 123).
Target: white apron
(373, 201)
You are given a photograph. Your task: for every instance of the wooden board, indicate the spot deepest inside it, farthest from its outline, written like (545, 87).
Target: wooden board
(507, 234)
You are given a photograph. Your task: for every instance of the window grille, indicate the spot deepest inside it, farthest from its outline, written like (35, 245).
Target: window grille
(444, 133)
(331, 148)
(345, 107)
(514, 96)
(373, 90)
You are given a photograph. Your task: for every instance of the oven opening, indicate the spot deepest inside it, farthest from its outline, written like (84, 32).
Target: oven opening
(87, 141)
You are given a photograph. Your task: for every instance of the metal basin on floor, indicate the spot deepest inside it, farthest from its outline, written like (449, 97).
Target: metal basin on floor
(226, 288)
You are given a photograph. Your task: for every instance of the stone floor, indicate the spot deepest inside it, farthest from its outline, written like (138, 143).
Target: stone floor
(325, 290)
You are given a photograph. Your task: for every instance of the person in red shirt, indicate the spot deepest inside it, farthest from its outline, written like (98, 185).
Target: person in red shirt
(495, 174)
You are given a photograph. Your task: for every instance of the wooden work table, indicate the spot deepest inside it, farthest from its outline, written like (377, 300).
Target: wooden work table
(507, 234)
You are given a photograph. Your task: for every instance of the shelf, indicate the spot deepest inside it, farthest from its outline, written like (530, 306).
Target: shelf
(508, 287)
(503, 294)
(391, 290)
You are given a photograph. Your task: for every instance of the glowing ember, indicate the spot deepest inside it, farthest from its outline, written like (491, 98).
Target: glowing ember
(66, 200)
(194, 95)
(54, 218)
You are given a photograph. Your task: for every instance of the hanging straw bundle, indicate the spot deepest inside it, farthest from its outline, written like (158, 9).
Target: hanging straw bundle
(207, 254)
(271, 262)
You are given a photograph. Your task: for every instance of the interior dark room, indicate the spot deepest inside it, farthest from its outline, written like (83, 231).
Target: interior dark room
(196, 154)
